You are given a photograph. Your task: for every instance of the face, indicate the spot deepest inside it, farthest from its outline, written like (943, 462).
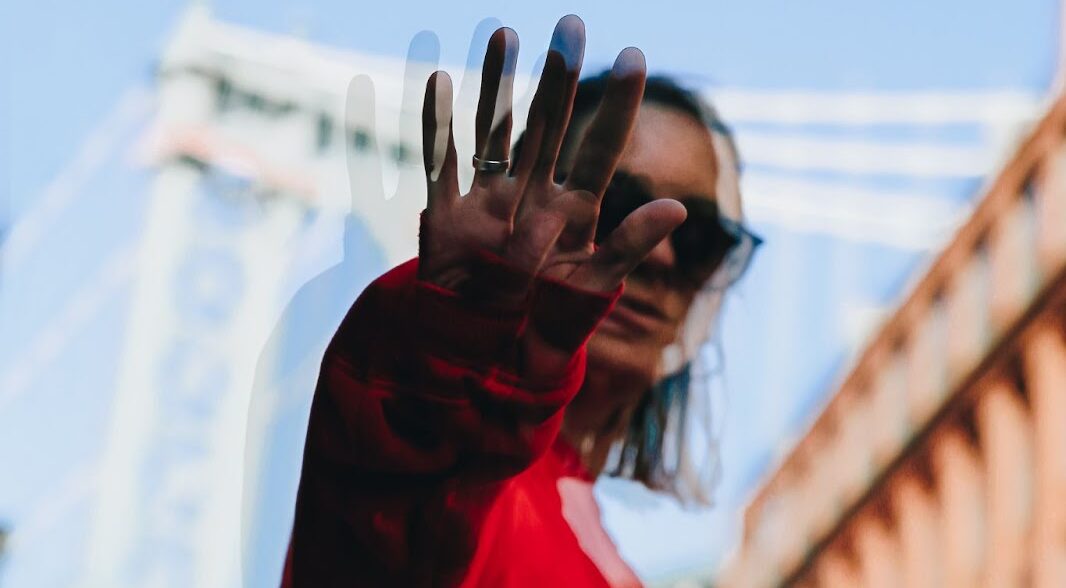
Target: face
(673, 155)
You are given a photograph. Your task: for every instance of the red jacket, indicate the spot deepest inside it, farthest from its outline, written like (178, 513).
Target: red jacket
(430, 462)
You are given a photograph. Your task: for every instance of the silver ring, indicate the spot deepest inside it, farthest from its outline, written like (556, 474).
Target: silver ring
(491, 165)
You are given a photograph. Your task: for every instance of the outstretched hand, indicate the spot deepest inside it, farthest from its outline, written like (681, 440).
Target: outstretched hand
(536, 225)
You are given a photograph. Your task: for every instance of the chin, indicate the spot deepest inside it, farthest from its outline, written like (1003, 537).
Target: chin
(631, 359)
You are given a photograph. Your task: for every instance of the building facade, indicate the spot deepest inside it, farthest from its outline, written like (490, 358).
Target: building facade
(941, 458)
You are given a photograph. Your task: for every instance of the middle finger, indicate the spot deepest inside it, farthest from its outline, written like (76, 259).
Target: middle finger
(549, 114)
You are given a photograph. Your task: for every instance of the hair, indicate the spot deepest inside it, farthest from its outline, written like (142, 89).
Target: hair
(651, 447)
(658, 89)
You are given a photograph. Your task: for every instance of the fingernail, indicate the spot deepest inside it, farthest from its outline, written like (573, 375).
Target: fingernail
(510, 56)
(630, 61)
(568, 40)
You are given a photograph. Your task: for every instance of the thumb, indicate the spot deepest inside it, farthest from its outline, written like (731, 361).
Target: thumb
(628, 245)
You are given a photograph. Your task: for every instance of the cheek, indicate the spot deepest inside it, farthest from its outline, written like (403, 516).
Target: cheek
(635, 359)
(638, 357)
(678, 305)
(667, 334)
(674, 303)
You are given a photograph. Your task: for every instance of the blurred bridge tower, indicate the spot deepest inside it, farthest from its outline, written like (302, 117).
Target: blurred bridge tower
(248, 151)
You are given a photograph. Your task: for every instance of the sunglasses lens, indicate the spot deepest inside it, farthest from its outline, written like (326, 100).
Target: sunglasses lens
(710, 250)
(621, 198)
(736, 263)
(701, 243)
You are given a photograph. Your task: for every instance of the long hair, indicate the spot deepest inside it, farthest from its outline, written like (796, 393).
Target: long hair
(656, 445)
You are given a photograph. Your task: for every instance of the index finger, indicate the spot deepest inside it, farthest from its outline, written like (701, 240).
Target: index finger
(629, 244)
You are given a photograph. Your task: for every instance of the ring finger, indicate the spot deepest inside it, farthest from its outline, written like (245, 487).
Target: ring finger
(493, 121)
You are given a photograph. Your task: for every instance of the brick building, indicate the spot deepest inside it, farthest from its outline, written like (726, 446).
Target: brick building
(941, 458)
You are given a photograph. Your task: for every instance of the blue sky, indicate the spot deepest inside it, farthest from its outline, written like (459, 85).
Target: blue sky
(67, 62)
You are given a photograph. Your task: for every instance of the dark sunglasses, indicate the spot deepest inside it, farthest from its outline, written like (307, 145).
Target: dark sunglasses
(711, 250)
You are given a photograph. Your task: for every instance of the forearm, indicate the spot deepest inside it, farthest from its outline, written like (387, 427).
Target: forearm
(425, 403)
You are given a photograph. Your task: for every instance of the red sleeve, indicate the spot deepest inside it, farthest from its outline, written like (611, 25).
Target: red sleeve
(420, 414)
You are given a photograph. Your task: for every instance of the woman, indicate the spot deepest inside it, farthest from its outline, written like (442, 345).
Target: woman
(472, 395)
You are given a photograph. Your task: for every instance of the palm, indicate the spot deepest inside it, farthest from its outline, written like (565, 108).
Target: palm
(445, 254)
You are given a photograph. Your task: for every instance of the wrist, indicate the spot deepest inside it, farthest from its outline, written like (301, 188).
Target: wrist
(564, 316)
